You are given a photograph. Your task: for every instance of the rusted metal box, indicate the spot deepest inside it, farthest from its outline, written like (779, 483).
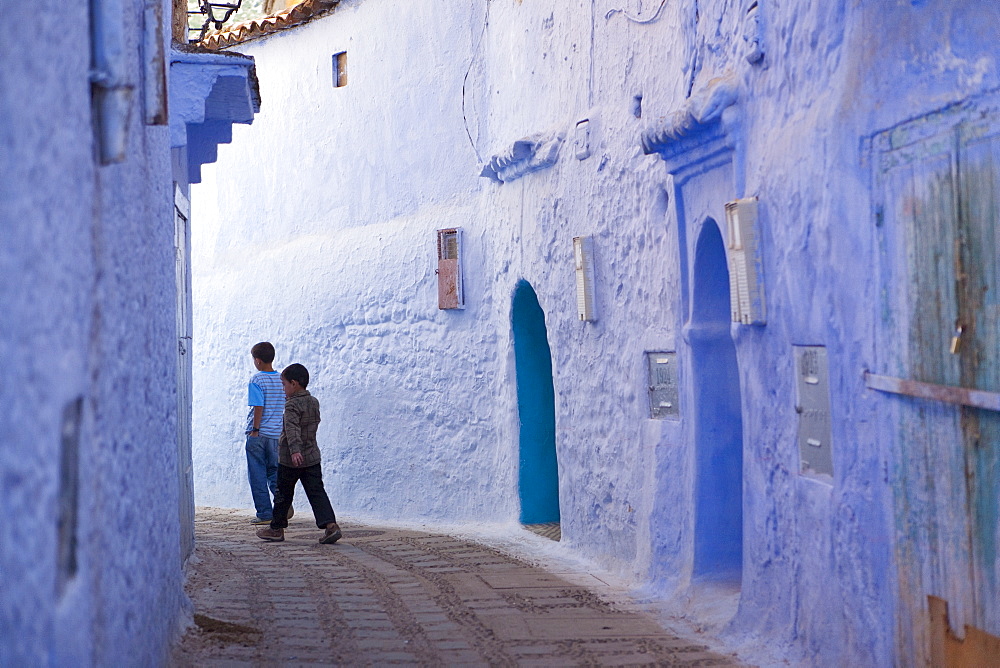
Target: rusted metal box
(449, 270)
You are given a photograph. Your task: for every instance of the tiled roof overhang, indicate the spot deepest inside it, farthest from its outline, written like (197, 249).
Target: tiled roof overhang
(294, 16)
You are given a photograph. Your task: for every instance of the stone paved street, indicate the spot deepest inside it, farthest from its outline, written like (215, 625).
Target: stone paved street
(389, 596)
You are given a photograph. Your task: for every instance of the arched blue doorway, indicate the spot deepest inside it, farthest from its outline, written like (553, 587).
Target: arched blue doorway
(718, 419)
(538, 476)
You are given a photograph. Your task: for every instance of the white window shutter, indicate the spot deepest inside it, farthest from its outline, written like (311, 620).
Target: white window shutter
(746, 276)
(583, 253)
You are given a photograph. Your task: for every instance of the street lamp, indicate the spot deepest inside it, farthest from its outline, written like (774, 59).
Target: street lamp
(216, 13)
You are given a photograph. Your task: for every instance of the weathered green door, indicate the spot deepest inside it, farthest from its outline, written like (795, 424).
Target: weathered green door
(937, 193)
(979, 311)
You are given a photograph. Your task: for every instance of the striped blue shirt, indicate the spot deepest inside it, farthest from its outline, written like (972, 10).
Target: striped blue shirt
(265, 390)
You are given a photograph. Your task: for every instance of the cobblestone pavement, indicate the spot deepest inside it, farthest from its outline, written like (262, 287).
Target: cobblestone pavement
(389, 596)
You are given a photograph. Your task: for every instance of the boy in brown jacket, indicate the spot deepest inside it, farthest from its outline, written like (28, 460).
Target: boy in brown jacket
(299, 460)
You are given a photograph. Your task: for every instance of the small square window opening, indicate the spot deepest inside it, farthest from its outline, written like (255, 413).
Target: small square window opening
(340, 69)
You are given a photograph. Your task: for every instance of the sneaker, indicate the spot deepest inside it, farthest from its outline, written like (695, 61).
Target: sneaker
(275, 535)
(258, 520)
(331, 535)
(291, 511)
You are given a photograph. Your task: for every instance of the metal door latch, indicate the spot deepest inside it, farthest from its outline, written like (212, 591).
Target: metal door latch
(956, 341)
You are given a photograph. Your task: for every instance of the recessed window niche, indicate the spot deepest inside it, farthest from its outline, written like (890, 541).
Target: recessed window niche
(340, 69)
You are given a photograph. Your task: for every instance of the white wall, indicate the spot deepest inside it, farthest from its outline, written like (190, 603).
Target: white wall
(333, 261)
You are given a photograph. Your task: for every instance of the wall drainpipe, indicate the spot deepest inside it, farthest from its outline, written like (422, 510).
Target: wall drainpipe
(111, 94)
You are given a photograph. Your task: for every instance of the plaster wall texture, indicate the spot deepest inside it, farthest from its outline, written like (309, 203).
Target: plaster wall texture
(87, 288)
(333, 261)
(315, 231)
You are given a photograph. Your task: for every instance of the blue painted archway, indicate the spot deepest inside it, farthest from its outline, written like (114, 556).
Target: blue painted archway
(718, 426)
(538, 475)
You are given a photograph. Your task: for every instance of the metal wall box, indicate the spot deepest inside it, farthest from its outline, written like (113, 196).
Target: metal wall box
(663, 389)
(449, 271)
(581, 139)
(746, 276)
(583, 253)
(813, 407)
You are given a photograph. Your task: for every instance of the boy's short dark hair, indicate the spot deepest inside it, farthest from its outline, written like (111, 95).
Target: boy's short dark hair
(298, 373)
(263, 351)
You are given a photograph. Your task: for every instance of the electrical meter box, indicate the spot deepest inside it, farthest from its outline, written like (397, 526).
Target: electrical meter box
(663, 388)
(813, 407)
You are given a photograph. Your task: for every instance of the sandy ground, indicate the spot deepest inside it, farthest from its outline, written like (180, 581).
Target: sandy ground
(397, 596)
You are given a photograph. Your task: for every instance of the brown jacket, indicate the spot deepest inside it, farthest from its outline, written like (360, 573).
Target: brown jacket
(301, 421)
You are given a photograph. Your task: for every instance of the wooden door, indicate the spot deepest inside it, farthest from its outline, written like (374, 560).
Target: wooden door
(937, 187)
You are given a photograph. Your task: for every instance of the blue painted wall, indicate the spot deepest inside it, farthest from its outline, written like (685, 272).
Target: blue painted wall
(538, 477)
(91, 557)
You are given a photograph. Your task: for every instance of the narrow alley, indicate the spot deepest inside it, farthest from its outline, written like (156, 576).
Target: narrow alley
(388, 596)
(712, 286)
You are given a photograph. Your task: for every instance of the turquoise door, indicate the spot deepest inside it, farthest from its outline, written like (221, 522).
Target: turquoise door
(538, 473)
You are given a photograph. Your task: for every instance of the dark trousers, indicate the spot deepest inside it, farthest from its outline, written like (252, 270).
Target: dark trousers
(311, 478)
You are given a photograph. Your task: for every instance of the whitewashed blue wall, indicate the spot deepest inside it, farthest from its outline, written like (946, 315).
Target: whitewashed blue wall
(87, 294)
(316, 231)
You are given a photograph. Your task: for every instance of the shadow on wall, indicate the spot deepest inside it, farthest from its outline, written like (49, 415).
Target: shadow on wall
(718, 548)
(538, 475)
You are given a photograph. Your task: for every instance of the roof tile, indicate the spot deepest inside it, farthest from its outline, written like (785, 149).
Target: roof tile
(293, 16)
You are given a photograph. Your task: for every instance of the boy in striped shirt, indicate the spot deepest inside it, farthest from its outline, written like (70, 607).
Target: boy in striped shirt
(267, 403)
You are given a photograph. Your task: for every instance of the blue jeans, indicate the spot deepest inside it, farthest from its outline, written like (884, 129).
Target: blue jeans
(262, 471)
